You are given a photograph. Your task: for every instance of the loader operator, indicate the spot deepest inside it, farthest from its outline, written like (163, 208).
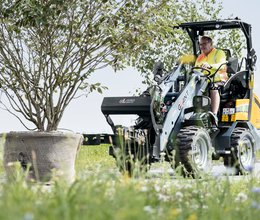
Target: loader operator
(211, 58)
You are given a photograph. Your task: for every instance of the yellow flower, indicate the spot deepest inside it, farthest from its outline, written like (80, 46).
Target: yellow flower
(192, 217)
(175, 212)
(125, 178)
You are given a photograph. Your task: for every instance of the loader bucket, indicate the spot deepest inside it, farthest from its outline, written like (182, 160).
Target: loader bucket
(126, 105)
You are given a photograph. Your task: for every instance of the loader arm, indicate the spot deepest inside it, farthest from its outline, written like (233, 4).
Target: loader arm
(165, 85)
(172, 124)
(143, 106)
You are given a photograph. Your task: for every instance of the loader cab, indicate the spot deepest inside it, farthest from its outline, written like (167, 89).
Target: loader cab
(196, 29)
(247, 63)
(237, 98)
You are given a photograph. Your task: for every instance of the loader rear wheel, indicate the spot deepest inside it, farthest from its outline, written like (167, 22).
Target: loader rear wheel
(193, 151)
(242, 156)
(132, 151)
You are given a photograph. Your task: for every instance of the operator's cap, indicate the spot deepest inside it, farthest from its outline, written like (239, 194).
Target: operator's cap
(208, 38)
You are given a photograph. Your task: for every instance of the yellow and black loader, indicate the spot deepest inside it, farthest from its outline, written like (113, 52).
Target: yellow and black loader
(175, 119)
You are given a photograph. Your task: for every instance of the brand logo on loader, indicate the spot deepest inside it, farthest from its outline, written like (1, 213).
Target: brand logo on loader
(182, 102)
(126, 101)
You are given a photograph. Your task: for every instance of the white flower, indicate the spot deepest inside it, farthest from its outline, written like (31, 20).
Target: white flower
(241, 197)
(144, 189)
(195, 191)
(194, 206)
(187, 186)
(149, 209)
(179, 195)
(28, 216)
(157, 188)
(163, 198)
(205, 207)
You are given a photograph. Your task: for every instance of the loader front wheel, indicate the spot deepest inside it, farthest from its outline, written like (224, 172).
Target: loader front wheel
(193, 151)
(242, 156)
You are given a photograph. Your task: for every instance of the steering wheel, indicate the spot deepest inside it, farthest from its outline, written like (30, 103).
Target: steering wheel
(203, 69)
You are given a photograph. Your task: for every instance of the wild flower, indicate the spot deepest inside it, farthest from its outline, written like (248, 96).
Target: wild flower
(157, 188)
(38, 202)
(163, 197)
(249, 168)
(144, 189)
(186, 186)
(46, 188)
(179, 195)
(241, 197)
(195, 191)
(175, 212)
(255, 205)
(192, 217)
(149, 209)
(110, 192)
(166, 186)
(255, 190)
(216, 174)
(28, 216)
(205, 207)
(194, 206)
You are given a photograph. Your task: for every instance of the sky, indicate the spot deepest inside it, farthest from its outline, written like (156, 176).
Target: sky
(84, 114)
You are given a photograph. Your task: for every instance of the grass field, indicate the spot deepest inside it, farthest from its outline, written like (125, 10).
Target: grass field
(101, 192)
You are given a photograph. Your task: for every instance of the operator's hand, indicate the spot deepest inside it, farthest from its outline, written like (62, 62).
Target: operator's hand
(206, 65)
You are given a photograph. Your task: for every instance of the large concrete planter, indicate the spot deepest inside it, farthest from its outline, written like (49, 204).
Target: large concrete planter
(47, 155)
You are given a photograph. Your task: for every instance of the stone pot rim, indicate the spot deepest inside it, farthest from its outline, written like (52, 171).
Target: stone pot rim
(39, 133)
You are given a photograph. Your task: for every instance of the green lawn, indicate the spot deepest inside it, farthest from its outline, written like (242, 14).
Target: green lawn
(101, 192)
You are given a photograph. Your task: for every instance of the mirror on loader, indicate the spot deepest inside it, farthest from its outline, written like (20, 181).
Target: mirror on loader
(200, 102)
(158, 71)
(160, 74)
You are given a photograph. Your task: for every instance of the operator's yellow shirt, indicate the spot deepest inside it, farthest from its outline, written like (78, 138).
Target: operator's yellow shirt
(215, 58)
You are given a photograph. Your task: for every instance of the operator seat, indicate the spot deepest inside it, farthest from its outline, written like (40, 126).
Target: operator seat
(236, 85)
(227, 53)
(232, 66)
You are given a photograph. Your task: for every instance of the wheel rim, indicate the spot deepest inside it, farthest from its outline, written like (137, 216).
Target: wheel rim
(200, 152)
(246, 153)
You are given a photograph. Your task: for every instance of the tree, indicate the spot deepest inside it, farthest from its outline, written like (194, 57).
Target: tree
(49, 48)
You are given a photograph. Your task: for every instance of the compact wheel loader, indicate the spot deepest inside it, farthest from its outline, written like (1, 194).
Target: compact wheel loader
(175, 122)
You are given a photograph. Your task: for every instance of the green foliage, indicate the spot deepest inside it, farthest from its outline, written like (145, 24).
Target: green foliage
(48, 49)
(100, 192)
(92, 158)
(169, 44)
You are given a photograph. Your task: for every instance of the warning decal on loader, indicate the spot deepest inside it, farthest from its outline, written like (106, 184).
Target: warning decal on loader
(239, 113)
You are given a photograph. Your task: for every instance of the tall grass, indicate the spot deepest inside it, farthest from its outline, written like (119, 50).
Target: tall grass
(101, 192)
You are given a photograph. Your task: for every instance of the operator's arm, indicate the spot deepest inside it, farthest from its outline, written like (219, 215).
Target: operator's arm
(220, 59)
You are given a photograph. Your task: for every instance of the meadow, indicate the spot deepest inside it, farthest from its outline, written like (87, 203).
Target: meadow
(101, 192)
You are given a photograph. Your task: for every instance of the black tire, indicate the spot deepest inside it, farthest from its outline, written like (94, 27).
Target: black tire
(242, 157)
(193, 151)
(133, 156)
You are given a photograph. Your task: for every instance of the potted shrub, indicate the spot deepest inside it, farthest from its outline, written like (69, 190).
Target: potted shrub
(48, 49)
